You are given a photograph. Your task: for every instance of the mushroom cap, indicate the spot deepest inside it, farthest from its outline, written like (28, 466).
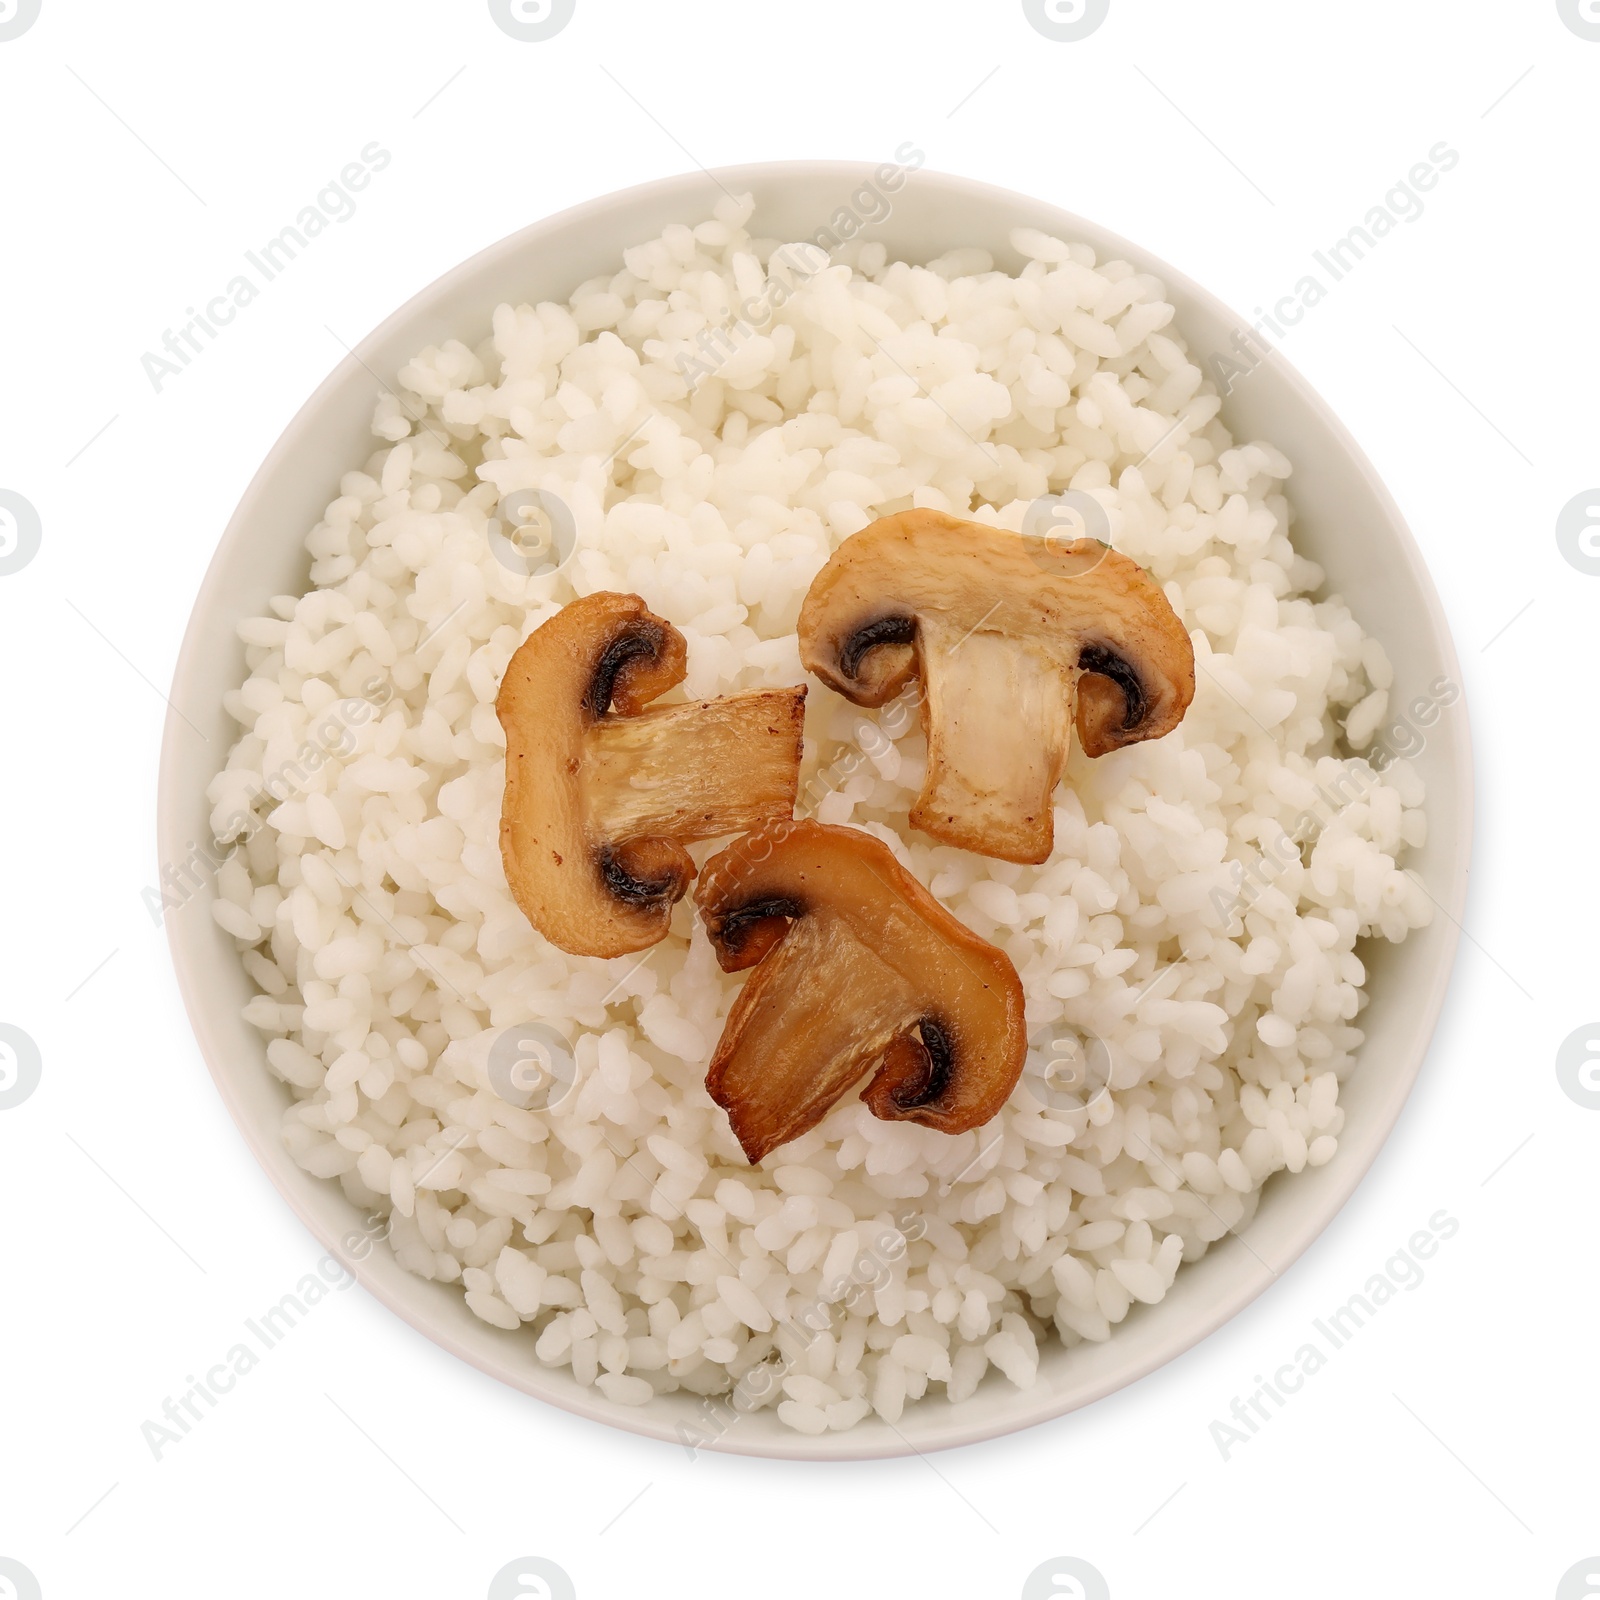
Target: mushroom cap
(857, 968)
(602, 794)
(1016, 640)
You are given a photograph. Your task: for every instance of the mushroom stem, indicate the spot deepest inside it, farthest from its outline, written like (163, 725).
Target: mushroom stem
(661, 772)
(822, 1009)
(986, 791)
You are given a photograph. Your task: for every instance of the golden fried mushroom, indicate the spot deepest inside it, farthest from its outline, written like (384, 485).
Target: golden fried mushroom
(857, 969)
(602, 795)
(1015, 641)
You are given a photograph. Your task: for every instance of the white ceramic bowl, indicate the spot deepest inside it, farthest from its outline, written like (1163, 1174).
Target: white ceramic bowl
(1347, 522)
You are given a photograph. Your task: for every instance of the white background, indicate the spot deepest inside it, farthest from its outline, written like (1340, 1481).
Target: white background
(1449, 1448)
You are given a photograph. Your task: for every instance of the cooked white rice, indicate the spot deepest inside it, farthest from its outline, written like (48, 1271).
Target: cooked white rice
(621, 1229)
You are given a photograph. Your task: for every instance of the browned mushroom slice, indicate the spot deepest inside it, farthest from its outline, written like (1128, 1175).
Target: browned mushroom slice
(1015, 641)
(602, 795)
(857, 967)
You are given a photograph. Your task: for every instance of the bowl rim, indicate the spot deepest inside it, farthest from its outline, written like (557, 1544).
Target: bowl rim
(589, 1404)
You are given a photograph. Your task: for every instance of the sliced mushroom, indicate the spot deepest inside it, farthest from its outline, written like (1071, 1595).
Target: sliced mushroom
(602, 795)
(857, 967)
(1015, 640)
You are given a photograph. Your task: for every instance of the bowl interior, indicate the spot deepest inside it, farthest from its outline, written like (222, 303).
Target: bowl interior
(1345, 521)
